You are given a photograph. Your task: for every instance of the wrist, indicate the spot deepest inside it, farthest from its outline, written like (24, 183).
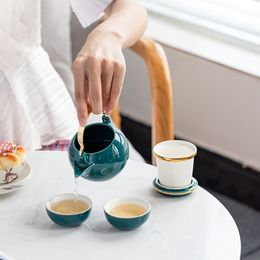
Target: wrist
(107, 36)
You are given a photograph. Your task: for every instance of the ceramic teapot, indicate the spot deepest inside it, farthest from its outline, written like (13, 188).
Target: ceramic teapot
(105, 151)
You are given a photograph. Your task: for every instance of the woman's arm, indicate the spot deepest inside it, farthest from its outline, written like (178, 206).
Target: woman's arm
(99, 68)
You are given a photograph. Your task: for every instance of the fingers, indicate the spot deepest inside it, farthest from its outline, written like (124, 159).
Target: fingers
(98, 82)
(94, 77)
(117, 83)
(106, 80)
(80, 90)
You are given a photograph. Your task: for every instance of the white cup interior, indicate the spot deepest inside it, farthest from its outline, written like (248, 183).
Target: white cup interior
(175, 149)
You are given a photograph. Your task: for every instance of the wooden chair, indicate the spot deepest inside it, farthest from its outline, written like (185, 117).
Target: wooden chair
(161, 90)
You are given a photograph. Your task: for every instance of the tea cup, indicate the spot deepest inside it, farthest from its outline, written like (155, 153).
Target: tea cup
(174, 160)
(69, 219)
(127, 213)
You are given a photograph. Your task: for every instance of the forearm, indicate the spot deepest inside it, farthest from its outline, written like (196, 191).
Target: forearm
(99, 68)
(126, 21)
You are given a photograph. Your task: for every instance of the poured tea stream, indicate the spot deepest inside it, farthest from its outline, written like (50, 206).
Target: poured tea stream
(76, 187)
(80, 139)
(81, 144)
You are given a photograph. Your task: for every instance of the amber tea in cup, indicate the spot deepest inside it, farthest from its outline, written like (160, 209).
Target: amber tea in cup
(127, 210)
(69, 206)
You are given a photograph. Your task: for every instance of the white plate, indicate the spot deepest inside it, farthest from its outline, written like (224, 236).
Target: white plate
(19, 182)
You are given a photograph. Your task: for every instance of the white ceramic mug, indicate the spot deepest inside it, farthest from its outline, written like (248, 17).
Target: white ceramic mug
(174, 161)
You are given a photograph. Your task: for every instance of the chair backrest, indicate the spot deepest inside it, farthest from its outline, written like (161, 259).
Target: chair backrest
(161, 90)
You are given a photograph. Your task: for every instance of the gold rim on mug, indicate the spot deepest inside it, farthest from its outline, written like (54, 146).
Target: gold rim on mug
(175, 159)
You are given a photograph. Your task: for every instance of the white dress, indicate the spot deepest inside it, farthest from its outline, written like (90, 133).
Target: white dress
(36, 108)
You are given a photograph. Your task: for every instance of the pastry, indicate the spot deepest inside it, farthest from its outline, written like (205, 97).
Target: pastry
(12, 158)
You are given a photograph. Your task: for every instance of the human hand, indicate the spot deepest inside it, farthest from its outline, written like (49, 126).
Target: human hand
(99, 71)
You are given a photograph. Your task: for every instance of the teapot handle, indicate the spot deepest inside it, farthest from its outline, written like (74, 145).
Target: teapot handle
(106, 120)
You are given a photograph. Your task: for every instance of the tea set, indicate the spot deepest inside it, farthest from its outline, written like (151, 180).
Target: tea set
(105, 154)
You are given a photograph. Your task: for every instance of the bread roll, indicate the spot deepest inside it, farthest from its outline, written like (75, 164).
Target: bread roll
(9, 160)
(21, 152)
(11, 155)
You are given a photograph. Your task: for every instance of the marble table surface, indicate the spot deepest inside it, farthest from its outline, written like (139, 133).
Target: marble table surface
(196, 226)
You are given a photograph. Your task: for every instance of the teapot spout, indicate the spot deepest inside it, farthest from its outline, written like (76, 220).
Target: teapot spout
(83, 170)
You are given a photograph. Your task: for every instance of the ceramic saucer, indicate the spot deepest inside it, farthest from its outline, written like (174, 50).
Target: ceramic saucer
(175, 192)
(157, 181)
(19, 182)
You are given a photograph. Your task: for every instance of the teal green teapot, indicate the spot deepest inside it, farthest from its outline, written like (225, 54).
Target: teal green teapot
(105, 151)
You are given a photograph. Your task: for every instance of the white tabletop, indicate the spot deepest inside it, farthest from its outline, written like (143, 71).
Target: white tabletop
(196, 226)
